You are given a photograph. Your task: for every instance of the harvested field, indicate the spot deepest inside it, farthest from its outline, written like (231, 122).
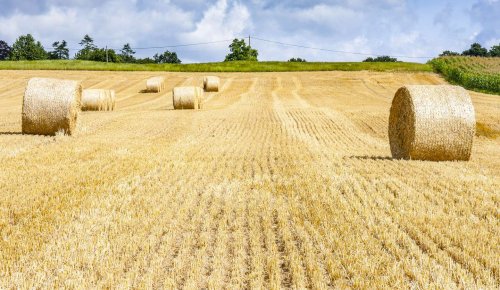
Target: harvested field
(283, 180)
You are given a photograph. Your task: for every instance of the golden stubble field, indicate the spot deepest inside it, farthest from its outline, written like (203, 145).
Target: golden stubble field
(284, 180)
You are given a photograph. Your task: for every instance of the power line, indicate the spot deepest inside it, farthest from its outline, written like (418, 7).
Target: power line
(336, 51)
(264, 40)
(160, 47)
(182, 45)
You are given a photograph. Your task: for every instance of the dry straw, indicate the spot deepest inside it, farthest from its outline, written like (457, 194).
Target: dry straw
(113, 99)
(211, 84)
(155, 84)
(51, 106)
(432, 123)
(94, 100)
(187, 98)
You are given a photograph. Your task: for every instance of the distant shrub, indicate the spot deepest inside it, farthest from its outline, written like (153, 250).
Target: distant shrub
(384, 58)
(167, 57)
(146, 60)
(298, 59)
(449, 53)
(476, 50)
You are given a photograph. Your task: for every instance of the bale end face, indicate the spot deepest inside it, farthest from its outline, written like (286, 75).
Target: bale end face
(435, 123)
(155, 84)
(51, 106)
(211, 84)
(96, 100)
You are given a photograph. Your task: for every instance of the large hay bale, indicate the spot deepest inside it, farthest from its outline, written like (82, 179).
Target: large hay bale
(155, 84)
(187, 98)
(432, 122)
(94, 100)
(51, 106)
(211, 84)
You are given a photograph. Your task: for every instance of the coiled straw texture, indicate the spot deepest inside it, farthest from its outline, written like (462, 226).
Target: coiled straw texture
(432, 122)
(51, 106)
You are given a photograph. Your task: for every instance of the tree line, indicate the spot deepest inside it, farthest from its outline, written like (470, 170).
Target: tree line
(476, 49)
(26, 47)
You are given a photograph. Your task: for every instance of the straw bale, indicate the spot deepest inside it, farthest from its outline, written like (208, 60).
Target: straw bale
(51, 106)
(432, 122)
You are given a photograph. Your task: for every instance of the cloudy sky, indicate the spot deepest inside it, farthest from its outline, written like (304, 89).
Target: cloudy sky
(413, 28)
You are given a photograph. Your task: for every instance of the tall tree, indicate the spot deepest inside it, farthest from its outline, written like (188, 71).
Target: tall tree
(127, 54)
(167, 57)
(26, 48)
(88, 48)
(5, 50)
(495, 50)
(88, 43)
(60, 51)
(476, 50)
(241, 51)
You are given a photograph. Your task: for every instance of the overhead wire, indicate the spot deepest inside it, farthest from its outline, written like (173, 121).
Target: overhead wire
(263, 40)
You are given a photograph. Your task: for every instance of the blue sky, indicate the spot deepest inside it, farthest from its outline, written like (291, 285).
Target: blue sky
(390, 27)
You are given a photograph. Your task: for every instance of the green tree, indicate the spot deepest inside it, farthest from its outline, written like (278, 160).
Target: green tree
(383, 58)
(103, 55)
(449, 53)
(241, 51)
(167, 57)
(88, 48)
(298, 59)
(495, 51)
(476, 50)
(5, 50)
(26, 48)
(88, 43)
(127, 54)
(146, 60)
(60, 51)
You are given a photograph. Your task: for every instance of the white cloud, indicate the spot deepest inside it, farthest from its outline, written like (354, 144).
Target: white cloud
(224, 20)
(393, 27)
(221, 21)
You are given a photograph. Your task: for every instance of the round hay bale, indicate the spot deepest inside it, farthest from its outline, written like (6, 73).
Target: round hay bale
(211, 84)
(51, 106)
(187, 98)
(94, 100)
(155, 84)
(432, 122)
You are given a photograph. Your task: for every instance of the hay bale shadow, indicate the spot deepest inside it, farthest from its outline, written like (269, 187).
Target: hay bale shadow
(146, 91)
(367, 157)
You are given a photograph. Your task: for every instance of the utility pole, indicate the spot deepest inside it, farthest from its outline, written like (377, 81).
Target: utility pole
(249, 43)
(106, 54)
